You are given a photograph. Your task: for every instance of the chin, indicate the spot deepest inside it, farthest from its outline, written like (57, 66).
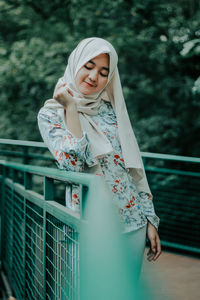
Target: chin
(85, 92)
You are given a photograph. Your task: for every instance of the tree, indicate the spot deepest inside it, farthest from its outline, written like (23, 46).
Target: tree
(149, 36)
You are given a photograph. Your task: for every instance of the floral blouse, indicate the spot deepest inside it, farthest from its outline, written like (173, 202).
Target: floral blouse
(73, 154)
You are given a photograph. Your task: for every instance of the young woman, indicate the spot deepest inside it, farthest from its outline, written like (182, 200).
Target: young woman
(87, 129)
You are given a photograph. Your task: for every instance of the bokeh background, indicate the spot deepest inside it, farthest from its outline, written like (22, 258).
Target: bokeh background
(158, 43)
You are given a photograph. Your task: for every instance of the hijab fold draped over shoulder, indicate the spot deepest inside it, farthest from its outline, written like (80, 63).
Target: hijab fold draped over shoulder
(87, 105)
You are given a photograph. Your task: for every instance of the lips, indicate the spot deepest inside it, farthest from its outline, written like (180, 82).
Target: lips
(89, 84)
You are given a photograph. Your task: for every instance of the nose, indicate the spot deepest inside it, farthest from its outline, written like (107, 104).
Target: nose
(93, 75)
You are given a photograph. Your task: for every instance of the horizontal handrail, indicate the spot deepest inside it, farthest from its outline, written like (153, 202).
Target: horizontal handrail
(172, 171)
(66, 176)
(23, 143)
(171, 157)
(144, 154)
(29, 155)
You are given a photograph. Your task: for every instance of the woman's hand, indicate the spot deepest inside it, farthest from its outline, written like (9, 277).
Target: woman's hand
(63, 95)
(155, 247)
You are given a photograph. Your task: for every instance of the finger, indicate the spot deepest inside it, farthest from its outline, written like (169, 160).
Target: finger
(159, 251)
(153, 249)
(149, 252)
(62, 84)
(153, 244)
(70, 92)
(61, 92)
(151, 256)
(57, 88)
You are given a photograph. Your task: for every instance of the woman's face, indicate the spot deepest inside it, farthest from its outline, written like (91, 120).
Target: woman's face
(93, 76)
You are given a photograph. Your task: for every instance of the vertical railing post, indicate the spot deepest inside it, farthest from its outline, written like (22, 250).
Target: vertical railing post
(83, 197)
(28, 186)
(48, 195)
(14, 175)
(44, 253)
(144, 159)
(25, 155)
(28, 181)
(48, 188)
(2, 210)
(12, 226)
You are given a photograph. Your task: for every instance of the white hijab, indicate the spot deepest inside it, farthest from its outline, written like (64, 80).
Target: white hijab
(88, 105)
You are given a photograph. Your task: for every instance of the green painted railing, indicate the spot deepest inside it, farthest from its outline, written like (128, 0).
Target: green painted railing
(174, 181)
(51, 252)
(40, 237)
(26, 151)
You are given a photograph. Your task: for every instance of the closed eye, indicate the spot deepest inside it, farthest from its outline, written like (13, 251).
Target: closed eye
(90, 68)
(103, 75)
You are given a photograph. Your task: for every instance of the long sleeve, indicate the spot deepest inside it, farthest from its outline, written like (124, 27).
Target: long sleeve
(71, 153)
(148, 209)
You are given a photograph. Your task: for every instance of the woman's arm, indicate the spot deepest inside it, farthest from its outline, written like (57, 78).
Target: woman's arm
(155, 245)
(152, 226)
(73, 121)
(64, 96)
(70, 152)
(148, 209)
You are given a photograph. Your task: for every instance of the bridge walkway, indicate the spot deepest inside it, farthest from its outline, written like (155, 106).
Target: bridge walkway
(173, 276)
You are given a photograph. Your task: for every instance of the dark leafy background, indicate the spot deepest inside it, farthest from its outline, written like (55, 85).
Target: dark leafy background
(158, 43)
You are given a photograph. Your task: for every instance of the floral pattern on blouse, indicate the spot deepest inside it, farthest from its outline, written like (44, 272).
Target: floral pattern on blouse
(73, 154)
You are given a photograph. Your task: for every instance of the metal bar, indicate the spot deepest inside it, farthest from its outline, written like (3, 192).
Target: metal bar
(44, 253)
(48, 188)
(171, 157)
(28, 182)
(65, 176)
(2, 209)
(25, 155)
(24, 236)
(23, 143)
(144, 154)
(29, 155)
(181, 247)
(172, 171)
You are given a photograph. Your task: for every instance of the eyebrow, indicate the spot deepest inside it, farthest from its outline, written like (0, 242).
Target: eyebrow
(92, 62)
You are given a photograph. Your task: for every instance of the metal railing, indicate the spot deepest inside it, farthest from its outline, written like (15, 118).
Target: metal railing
(174, 181)
(41, 240)
(23, 150)
(40, 237)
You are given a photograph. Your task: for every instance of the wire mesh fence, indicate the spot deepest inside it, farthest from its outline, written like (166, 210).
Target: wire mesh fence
(40, 240)
(40, 250)
(176, 199)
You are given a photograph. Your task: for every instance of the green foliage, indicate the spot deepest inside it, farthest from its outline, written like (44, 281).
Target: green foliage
(158, 46)
(196, 87)
(191, 49)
